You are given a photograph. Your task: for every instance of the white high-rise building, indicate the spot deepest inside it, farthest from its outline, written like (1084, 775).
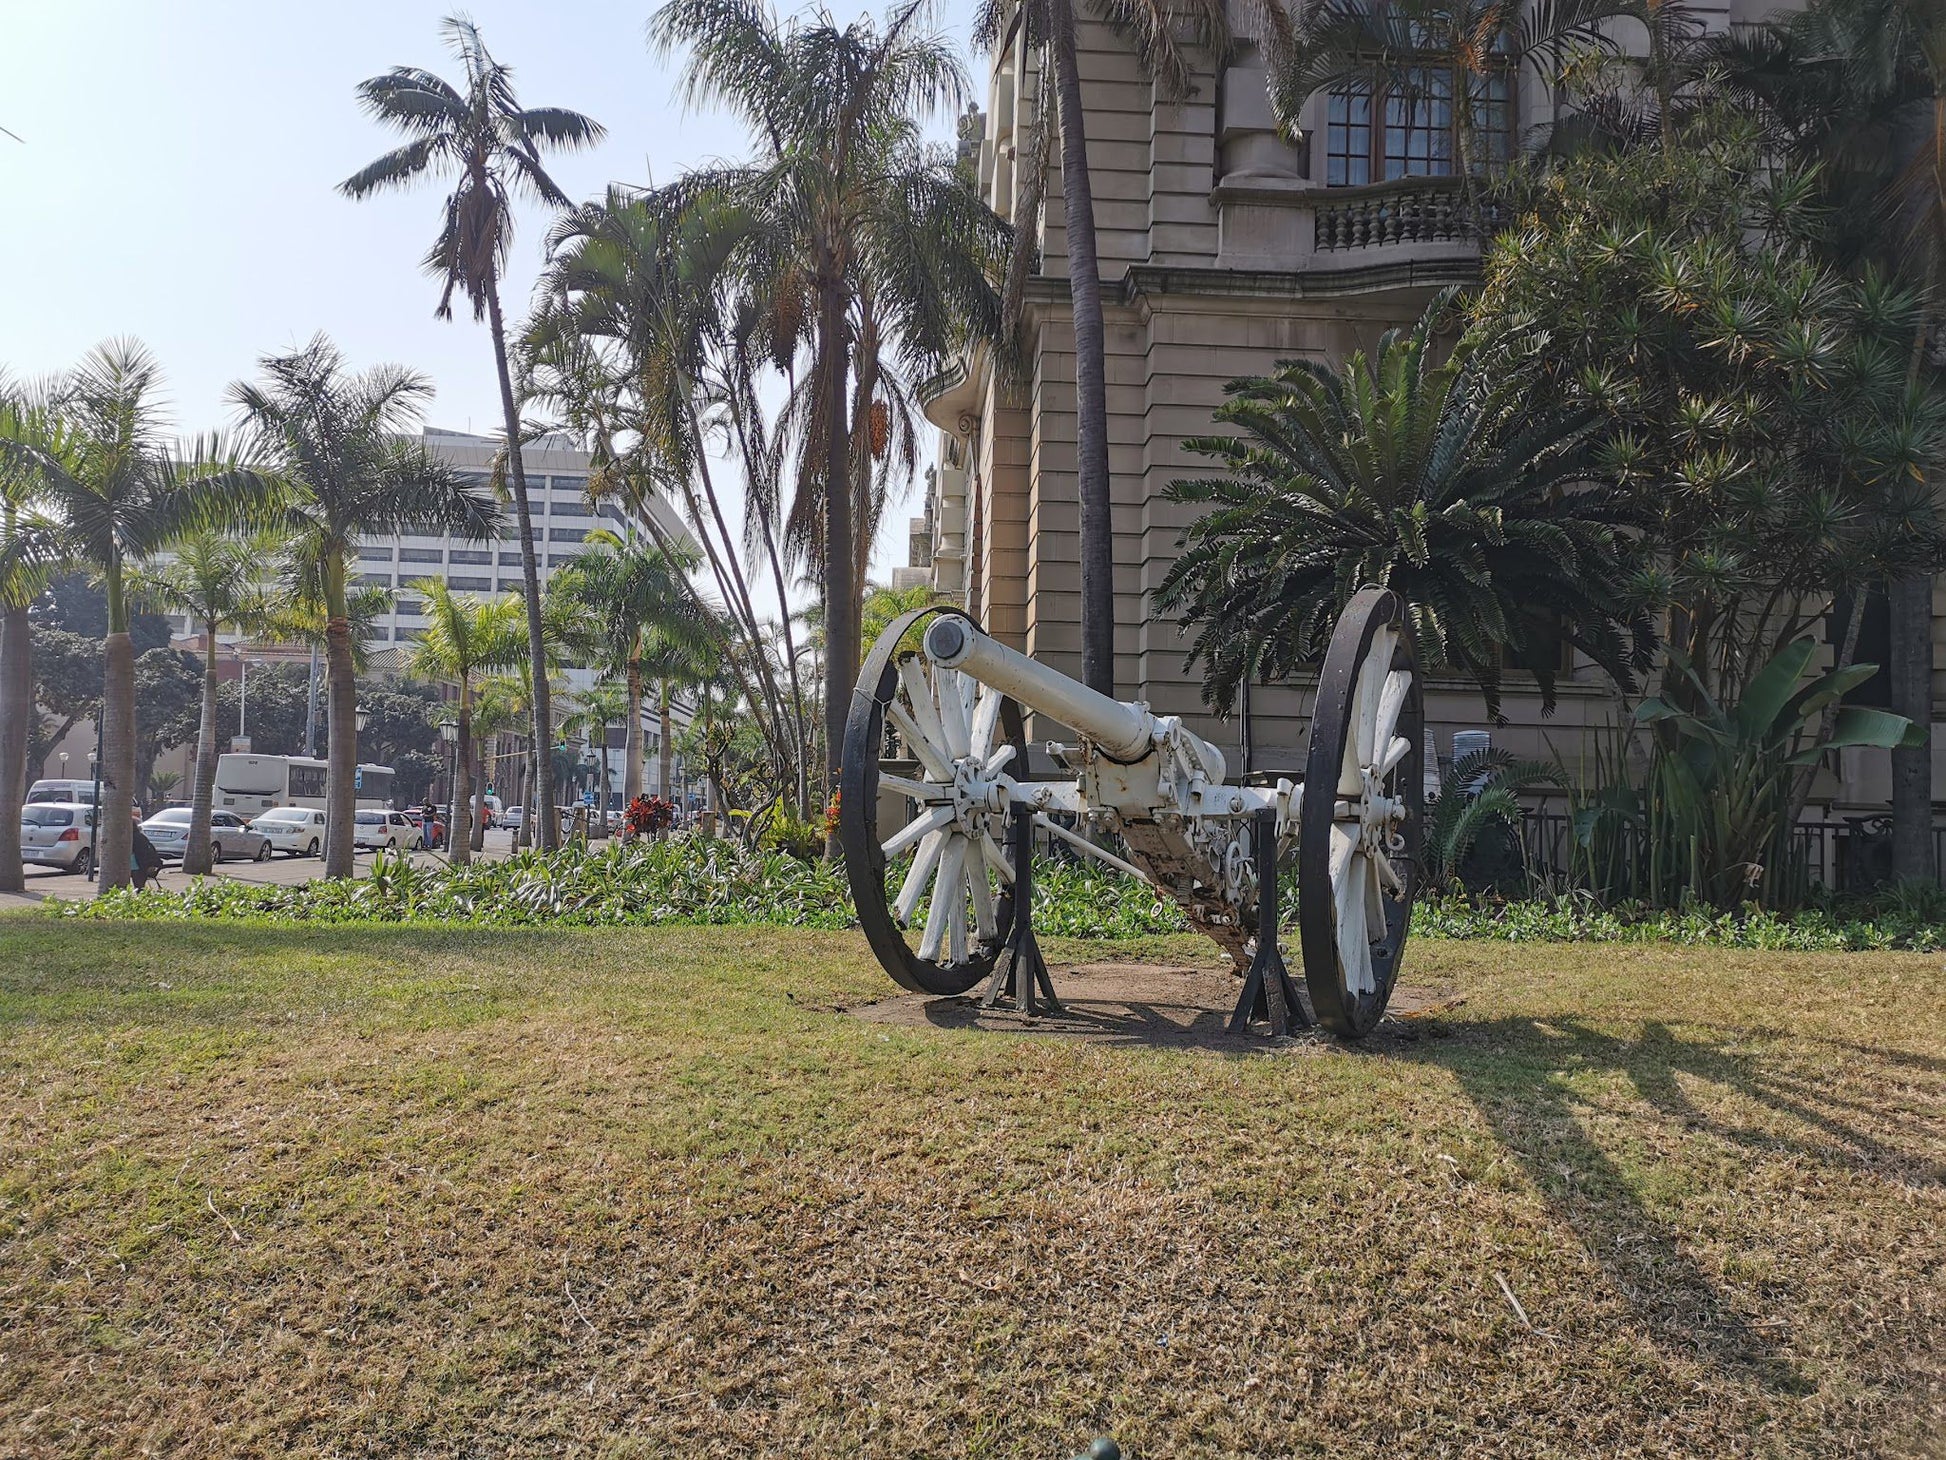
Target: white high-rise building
(557, 499)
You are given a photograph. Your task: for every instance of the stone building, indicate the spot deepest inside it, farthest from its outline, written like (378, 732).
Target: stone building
(1224, 249)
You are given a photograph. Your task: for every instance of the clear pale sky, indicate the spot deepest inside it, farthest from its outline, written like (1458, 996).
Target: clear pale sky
(176, 179)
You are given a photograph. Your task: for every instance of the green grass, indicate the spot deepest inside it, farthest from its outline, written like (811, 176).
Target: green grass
(420, 1191)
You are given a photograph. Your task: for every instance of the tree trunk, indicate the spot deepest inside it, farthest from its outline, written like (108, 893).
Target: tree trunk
(632, 737)
(1090, 364)
(202, 795)
(16, 708)
(665, 755)
(114, 836)
(341, 751)
(1910, 604)
(599, 830)
(479, 808)
(459, 836)
(530, 577)
(840, 624)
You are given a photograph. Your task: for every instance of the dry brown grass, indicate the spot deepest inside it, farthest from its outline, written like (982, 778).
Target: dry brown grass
(371, 1192)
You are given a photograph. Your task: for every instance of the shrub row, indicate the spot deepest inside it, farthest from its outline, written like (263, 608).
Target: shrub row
(692, 881)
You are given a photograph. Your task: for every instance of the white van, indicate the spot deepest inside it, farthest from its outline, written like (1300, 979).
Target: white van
(63, 793)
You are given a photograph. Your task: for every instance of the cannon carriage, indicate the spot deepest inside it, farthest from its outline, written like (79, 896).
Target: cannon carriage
(937, 817)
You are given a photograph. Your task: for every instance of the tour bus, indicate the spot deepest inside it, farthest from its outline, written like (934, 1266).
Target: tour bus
(248, 784)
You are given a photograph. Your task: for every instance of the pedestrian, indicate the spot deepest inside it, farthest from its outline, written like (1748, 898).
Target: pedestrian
(429, 818)
(143, 859)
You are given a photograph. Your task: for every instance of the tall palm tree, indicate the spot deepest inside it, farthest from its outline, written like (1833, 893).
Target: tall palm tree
(464, 636)
(598, 707)
(1495, 523)
(839, 198)
(635, 617)
(217, 581)
(340, 439)
(501, 708)
(103, 470)
(492, 145)
(1163, 33)
(28, 552)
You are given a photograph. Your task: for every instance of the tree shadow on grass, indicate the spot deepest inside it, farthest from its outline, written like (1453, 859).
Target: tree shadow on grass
(1532, 1079)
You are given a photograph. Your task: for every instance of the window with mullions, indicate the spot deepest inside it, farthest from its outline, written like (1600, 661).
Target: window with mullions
(1409, 127)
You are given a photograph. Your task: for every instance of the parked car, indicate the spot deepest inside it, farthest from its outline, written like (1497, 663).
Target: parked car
(58, 835)
(297, 831)
(373, 830)
(229, 835)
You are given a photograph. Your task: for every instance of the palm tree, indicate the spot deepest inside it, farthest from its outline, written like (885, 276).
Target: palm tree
(501, 707)
(100, 466)
(843, 208)
(28, 548)
(492, 145)
(340, 439)
(216, 580)
(636, 617)
(1163, 32)
(465, 635)
(1493, 521)
(602, 705)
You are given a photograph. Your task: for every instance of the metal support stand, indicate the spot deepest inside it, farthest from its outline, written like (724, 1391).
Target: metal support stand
(1268, 993)
(1020, 968)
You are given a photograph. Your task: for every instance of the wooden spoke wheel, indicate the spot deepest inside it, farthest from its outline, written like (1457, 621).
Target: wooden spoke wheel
(1359, 828)
(936, 738)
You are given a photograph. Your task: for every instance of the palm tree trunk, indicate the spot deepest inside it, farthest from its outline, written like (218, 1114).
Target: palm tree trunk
(16, 706)
(202, 795)
(114, 818)
(530, 576)
(599, 830)
(459, 836)
(1910, 604)
(479, 808)
(665, 753)
(840, 624)
(632, 736)
(341, 756)
(1090, 364)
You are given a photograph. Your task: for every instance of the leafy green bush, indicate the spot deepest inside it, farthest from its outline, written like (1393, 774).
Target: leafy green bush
(690, 880)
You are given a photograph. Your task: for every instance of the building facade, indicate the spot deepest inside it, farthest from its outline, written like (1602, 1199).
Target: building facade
(1224, 249)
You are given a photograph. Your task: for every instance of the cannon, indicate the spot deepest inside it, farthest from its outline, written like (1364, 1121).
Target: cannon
(938, 814)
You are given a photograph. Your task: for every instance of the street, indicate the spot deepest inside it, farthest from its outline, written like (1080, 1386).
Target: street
(44, 882)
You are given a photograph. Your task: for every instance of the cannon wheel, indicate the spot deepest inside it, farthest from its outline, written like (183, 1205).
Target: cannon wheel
(1357, 867)
(950, 724)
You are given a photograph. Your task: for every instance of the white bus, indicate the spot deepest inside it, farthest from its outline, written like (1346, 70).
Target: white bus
(248, 784)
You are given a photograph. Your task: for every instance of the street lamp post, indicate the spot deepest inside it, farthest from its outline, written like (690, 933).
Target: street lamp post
(449, 737)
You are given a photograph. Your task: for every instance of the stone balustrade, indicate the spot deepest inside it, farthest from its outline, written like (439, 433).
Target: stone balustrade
(1421, 210)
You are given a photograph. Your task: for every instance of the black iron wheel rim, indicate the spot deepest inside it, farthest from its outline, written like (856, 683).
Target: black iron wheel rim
(858, 838)
(1350, 1013)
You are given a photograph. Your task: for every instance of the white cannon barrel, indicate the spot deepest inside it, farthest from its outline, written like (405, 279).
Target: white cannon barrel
(1121, 730)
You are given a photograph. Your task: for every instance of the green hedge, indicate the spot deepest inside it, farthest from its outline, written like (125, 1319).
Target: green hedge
(692, 881)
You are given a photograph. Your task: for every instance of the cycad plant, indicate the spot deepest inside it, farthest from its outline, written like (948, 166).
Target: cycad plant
(1482, 793)
(217, 581)
(1493, 520)
(465, 636)
(342, 440)
(480, 135)
(102, 468)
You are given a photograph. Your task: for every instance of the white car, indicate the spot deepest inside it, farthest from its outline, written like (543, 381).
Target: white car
(296, 831)
(374, 830)
(514, 818)
(229, 835)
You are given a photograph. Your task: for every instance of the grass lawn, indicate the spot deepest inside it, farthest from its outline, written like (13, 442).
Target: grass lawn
(409, 1191)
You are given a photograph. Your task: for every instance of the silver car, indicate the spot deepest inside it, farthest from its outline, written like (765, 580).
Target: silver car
(58, 834)
(229, 835)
